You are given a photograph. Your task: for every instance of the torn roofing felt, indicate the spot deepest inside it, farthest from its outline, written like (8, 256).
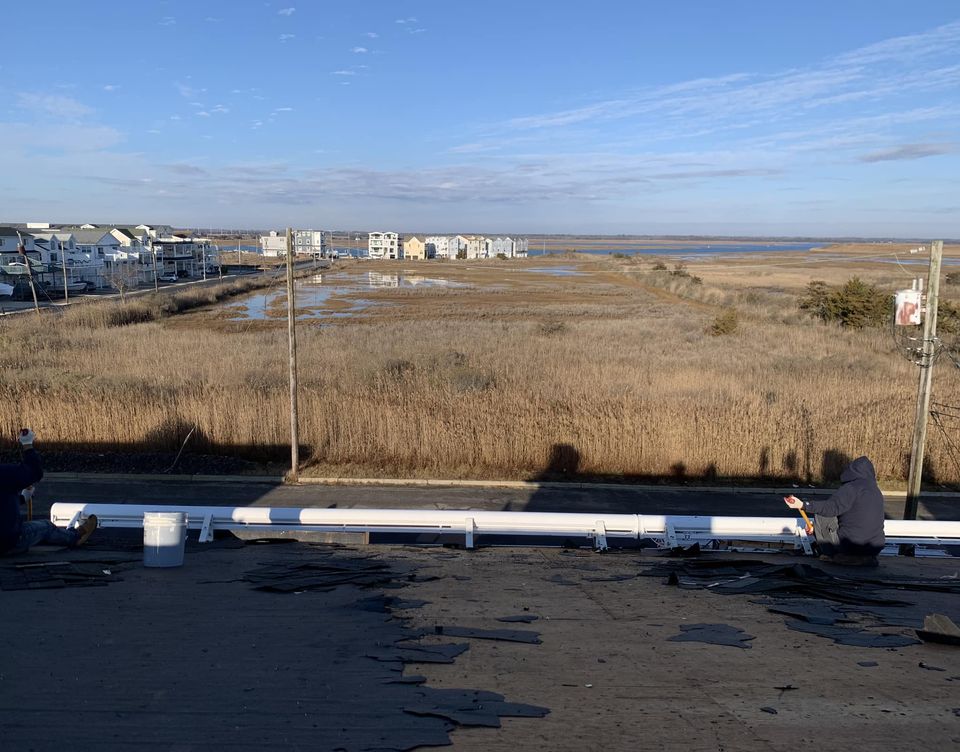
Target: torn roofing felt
(388, 644)
(714, 634)
(843, 608)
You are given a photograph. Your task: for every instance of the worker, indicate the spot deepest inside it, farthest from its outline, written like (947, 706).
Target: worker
(17, 536)
(849, 525)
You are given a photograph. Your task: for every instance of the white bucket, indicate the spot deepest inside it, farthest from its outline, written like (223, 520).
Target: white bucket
(164, 537)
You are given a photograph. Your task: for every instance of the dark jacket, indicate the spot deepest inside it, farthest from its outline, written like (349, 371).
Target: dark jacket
(858, 507)
(13, 479)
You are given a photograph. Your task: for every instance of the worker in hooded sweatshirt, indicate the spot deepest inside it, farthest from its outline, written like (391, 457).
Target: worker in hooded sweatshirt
(17, 536)
(849, 525)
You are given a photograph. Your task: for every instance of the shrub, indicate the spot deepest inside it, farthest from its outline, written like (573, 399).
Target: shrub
(953, 278)
(549, 328)
(856, 304)
(659, 267)
(725, 323)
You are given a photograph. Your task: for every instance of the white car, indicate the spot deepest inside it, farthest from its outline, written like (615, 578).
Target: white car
(169, 277)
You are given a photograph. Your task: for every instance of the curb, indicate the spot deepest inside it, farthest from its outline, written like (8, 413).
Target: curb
(126, 477)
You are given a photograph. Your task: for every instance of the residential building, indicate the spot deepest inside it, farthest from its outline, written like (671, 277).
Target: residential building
(95, 244)
(461, 247)
(443, 246)
(187, 256)
(520, 248)
(385, 245)
(13, 265)
(414, 248)
(273, 244)
(310, 242)
(476, 247)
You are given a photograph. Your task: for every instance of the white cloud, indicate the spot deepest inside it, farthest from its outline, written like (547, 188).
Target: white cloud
(372, 35)
(286, 37)
(359, 49)
(409, 20)
(283, 109)
(203, 113)
(187, 91)
(344, 73)
(286, 12)
(111, 87)
(167, 21)
(53, 104)
(219, 109)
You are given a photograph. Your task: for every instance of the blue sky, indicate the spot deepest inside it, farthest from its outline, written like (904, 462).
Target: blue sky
(734, 117)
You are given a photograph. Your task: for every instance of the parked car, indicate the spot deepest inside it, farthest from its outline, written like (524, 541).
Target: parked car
(168, 277)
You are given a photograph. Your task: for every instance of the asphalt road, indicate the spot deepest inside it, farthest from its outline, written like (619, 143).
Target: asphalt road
(647, 500)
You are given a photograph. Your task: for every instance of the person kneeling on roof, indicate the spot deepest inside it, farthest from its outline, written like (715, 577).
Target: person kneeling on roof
(17, 536)
(849, 525)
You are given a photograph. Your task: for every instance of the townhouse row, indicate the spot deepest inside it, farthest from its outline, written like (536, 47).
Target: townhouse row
(392, 245)
(100, 256)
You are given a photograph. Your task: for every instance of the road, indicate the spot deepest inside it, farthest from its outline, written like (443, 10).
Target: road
(633, 500)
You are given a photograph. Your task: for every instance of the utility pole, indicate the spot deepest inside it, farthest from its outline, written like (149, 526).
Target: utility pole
(63, 265)
(156, 282)
(292, 338)
(923, 390)
(22, 250)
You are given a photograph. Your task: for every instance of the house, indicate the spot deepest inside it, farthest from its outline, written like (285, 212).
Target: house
(310, 242)
(186, 255)
(273, 244)
(385, 245)
(443, 246)
(12, 264)
(135, 245)
(59, 251)
(414, 248)
(461, 247)
(476, 247)
(95, 244)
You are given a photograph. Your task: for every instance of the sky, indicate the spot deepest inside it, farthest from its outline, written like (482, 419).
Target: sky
(693, 117)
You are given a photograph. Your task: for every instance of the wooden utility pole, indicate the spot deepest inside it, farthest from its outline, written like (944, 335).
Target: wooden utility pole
(923, 390)
(292, 338)
(22, 250)
(63, 265)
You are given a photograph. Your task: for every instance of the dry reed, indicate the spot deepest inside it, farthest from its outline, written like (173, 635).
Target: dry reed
(633, 384)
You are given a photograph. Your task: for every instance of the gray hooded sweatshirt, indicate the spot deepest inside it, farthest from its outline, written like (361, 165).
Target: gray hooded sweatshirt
(858, 506)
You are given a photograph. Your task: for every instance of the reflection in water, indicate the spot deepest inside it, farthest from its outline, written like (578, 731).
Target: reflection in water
(555, 271)
(317, 290)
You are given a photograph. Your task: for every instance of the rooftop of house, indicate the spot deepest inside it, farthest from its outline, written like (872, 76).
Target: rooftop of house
(319, 646)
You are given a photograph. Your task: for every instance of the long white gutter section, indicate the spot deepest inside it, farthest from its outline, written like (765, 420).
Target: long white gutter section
(664, 530)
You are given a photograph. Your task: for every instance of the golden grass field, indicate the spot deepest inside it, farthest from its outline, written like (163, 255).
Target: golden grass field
(487, 380)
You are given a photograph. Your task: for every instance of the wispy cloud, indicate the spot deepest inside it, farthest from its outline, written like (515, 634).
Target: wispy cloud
(111, 87)
(287, 37)
(187, 91)
(167, 21)
(867, 75)
(408, 20)
(359, 50)
(909, 151)
(372, 35)
(286, 11)
(53, 104)
(344, 72)
(283, 109)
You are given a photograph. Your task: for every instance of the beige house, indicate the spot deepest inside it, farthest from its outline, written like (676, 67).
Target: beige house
(414, 248)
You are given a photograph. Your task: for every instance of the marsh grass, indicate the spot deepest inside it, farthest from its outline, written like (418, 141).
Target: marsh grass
(466, 385)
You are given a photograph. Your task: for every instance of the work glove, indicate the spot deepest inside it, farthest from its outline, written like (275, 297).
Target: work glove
(26, 438)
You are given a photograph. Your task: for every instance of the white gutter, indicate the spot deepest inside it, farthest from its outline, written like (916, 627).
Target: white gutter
(664, 530)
